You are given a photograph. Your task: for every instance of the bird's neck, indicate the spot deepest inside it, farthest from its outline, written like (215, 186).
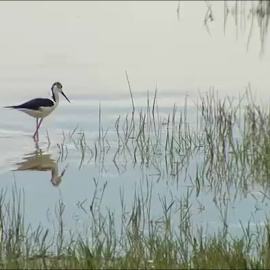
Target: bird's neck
(55, 97)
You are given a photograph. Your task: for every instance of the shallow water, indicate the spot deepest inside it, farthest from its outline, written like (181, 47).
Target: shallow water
(88, 46)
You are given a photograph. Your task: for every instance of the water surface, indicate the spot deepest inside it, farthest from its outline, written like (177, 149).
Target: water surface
(88, 47)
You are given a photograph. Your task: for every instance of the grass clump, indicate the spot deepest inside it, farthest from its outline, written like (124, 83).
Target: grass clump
(142, 241)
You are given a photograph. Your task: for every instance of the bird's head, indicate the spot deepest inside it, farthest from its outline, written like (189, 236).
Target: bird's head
(57, 88)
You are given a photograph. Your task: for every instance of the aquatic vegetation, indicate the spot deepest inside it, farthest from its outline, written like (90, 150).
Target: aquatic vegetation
(228, 142)
(140, 242)
(228, 139)
(246, 16)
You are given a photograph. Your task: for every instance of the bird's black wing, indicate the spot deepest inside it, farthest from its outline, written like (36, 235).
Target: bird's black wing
(34, 104)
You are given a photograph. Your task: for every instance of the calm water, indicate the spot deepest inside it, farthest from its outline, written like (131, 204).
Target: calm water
(88, 46)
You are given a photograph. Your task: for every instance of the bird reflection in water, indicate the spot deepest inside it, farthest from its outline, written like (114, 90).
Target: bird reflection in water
(41, 161)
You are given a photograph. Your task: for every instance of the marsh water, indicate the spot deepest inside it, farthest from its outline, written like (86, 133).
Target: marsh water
(89, 47)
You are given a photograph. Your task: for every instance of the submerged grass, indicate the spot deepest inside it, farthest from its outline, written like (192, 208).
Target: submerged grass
(245, 15)
(228, 139)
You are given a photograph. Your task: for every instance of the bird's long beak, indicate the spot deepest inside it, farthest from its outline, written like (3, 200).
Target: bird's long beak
(65, 96)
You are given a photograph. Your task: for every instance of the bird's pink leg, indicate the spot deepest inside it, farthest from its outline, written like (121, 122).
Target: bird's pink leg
(37, 134)
(34, 136)
(38, 126)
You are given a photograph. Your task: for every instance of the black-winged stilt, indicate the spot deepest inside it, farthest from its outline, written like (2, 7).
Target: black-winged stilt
(41, 107)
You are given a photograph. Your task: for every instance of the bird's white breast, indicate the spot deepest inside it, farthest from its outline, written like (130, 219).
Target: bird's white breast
(42, 112)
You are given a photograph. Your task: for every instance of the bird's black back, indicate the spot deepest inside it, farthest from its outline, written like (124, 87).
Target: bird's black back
(34, 104)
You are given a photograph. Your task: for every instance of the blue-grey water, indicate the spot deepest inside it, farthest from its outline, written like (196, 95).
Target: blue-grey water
(88, 47)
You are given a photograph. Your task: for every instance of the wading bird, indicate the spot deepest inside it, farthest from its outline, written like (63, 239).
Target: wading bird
(39, 108)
